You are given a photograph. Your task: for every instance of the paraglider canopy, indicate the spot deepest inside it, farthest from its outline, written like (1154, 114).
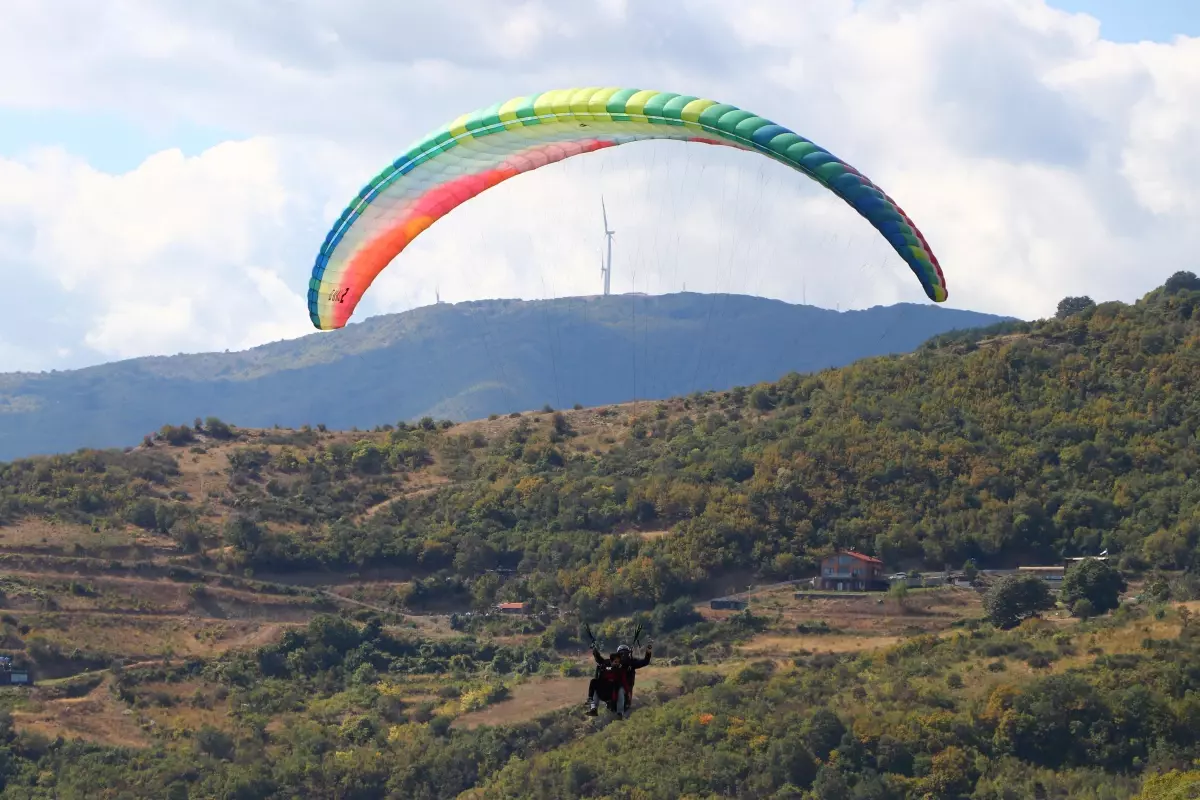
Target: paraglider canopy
(482, 149)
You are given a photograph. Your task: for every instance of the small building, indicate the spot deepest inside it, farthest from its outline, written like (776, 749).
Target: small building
(1076, 560)
(1052, 575)
(727, 604)
(13, 676)
(849, 571)
(513, 608)
(16, 677)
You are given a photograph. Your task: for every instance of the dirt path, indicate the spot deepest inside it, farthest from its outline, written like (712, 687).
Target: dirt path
(387, 612)
(429, 484)
(537, 697)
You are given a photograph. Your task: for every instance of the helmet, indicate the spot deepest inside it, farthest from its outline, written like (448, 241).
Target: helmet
(624, 649)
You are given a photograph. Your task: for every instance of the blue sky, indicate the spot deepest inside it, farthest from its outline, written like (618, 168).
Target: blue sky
(168, 169)
(111, 141)
(1137, 20)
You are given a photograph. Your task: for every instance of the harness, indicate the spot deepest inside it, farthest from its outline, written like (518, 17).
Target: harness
(616, 675)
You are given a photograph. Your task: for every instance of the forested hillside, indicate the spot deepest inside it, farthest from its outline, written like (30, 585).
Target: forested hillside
(462, 361)
(926, 719)
(1029, 442)
(1086, 711)
(232, 612)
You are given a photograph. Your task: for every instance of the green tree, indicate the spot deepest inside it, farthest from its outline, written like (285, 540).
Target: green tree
(216, 743)
(483, 591)
(243, 533)
(1182, 282)
(830, 785)
(561, 426)
(1173, 785)
(144, 514)
(761, 400)
(217, 429)
(367, 458)
(1069, 306)
(1158, 589)
(823, 733)
(1015, 597)
(970, 570)
(1096, 582)
(950, 774)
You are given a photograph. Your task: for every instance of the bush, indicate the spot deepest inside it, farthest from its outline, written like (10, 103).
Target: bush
(1038, 661)
(215, 743)
(177, 435)
(1016, 597)
(217, 429)
(1096, 582)
(440, 725)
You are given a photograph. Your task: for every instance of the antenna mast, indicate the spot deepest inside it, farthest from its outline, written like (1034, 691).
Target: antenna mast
(606, 267)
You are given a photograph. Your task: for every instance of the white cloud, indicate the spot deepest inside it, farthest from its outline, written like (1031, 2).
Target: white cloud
(1039, 159)
(166, 258)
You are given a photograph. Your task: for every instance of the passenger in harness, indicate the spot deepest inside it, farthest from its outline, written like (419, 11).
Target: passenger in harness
(614, 679)
(628, 675)
(606, 681)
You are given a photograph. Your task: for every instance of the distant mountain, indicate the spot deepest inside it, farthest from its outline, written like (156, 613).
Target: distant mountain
(462, 361)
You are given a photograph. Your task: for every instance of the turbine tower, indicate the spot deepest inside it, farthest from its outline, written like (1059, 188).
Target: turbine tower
(606, 267)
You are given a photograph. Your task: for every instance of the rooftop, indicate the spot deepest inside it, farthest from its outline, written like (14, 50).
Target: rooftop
(858, 556)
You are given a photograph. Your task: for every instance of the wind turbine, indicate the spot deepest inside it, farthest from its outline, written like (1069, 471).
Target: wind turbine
(606, 268)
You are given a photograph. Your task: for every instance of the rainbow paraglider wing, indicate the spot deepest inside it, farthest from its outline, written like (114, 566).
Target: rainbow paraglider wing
(481, 149)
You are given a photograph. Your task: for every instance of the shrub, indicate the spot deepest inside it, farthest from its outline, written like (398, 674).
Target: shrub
(1014, 598)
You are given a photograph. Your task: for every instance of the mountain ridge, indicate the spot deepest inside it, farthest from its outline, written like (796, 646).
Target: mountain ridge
(461, 361)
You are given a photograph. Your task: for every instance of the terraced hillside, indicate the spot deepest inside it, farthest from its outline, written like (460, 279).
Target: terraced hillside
(234, 612)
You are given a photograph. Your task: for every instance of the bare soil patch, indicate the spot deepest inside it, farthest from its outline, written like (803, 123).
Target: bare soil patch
(529, 700)
(863, 614)
(782, 646)
(97, 717)
(42, 535)
(649, 535)
(146, 636)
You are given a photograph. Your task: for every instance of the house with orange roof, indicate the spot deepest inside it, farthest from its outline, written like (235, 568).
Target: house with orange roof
(851, 571)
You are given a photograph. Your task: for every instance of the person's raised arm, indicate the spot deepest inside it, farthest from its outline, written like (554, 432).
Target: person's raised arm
(641, 662)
